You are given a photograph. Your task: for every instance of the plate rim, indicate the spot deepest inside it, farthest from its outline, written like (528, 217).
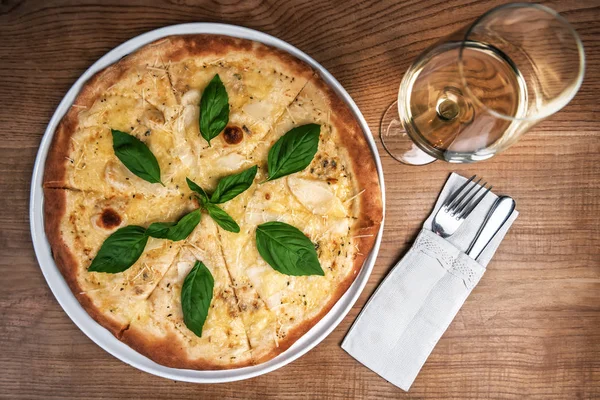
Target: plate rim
(96, 332)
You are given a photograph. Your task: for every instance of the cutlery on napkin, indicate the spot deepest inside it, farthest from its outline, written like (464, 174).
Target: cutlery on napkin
(416, 302)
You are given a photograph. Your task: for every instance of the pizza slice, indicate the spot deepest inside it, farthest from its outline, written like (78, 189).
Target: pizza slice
(325, 202)
(277, 308)
(78, 223)
(159, 330)
(260, 322)
(134, 96)
(260, 83)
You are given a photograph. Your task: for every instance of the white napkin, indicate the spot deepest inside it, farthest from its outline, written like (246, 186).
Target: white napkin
(412, 308)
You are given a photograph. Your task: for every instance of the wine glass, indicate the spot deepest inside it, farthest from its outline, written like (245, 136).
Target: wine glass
(475, 92)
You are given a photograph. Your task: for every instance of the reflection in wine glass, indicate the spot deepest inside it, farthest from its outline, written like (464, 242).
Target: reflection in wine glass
(475, 92)
(395, 140)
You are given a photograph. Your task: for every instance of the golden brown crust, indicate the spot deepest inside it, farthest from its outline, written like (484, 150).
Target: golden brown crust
(169, 351)
(55, 208)
(55, 169)
(186, 46)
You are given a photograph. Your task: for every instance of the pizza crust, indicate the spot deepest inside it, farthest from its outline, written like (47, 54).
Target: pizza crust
(55, 208)
(167, 352)
(367, 205)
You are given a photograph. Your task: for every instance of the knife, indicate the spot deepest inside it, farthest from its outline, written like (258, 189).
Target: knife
(495, 218)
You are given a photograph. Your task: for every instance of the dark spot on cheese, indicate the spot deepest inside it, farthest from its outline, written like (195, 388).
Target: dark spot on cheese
(110, 218)
(232, 312)
(268, 196)
(233, 135)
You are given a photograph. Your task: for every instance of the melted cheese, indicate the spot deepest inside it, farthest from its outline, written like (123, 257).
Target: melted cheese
(316, 196)
(85, 232)
(223, 337)
(232, 162)
(259, 110)
(191, 97)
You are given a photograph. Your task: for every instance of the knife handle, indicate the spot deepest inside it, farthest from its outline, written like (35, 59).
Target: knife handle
(495, 218)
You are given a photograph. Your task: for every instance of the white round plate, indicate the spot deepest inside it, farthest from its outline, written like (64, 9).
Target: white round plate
(68, 301)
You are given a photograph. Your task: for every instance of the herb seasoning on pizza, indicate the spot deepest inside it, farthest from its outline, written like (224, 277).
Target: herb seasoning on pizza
(209, 199)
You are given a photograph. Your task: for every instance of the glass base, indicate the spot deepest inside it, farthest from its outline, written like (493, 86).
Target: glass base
(396, 141)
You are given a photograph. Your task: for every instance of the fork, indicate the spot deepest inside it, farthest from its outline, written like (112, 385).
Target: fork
(457, 207)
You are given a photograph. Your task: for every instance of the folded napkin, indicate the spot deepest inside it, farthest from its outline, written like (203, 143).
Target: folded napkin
(412, 308)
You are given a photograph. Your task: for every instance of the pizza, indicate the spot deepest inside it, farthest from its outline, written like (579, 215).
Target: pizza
(209, 199)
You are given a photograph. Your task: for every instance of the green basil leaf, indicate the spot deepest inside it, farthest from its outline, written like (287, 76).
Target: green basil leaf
(136, 156)
(214, 109)
(175, 231)
(287, 250)
(120, 250)
(293, 151)
(196, 188)
(222, 218)
(196, 295)
(232, 185)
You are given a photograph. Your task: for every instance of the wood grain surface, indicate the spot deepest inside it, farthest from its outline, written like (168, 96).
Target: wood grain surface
(530, 329)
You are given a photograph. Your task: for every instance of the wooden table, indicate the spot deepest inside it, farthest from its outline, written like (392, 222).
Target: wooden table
(530, 329)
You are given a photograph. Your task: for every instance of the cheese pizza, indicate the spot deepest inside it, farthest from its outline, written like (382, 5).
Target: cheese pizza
(208, 199)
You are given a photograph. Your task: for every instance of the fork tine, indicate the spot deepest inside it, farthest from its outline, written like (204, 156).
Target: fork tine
(451, 198)
(465, 203)
(456, 203)
(471, 207)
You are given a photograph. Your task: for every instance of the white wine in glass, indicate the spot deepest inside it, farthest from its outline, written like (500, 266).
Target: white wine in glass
(475, 92)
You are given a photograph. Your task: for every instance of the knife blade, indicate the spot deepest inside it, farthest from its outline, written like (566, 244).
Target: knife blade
(495, 218)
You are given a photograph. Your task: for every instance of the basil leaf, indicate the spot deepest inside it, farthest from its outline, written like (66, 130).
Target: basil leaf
(120, 250)
(136, 156)
(232, 185)
(175, 231)
(222, 218)
(196, 188)
(214, 109)
(287, 249)
(196, 295)
(293, 151)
